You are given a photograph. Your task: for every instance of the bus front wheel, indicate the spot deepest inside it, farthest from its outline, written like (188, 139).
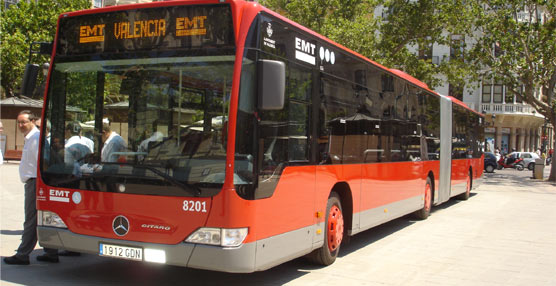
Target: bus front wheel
(333, 233)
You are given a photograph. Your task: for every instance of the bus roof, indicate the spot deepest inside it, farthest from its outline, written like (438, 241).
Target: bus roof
(411, 79)
(462, 104)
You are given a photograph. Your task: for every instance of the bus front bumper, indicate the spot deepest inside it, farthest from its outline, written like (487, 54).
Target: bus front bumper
(239, 260)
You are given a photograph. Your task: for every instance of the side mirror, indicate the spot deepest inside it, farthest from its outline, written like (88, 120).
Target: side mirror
(29, 79)
(271, 84)
(46, 48)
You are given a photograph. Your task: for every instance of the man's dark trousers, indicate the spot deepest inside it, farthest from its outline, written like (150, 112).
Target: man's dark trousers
(29, 237)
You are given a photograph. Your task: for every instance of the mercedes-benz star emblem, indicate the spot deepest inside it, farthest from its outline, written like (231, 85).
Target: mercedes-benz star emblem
(120, 225)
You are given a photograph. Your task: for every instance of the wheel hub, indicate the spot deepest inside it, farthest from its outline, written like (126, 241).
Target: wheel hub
(335, 228)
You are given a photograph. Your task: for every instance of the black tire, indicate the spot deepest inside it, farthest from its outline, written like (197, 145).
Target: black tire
(465, 196)
(531, 166)
(324, 255)
(499, 167)
(489, 169)
(519, 167)
(424, 213)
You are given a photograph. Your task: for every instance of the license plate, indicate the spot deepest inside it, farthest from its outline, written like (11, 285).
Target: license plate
(118, 251)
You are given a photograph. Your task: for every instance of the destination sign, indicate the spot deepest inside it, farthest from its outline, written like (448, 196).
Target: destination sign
(165, 28)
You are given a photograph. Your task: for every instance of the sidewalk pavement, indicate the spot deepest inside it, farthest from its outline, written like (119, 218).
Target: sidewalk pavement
(505, 234)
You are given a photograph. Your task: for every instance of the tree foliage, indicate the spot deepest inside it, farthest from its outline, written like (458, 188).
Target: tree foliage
(419, 25)
(517, 46)
(348, 22)
(525, 46)
(22, 24)
(392, 38)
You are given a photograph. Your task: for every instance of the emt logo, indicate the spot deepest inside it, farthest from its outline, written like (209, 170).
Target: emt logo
(59, 196)
(305, 51)
(191, 27)
(91, 34)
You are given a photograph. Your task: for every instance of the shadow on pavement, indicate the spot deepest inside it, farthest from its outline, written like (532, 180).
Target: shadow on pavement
(373, 235)
(89, 269)
(379, 232)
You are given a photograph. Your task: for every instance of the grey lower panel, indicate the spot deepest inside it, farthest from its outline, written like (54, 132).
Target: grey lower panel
(284, 247)
(260, 255)
(249, 257)
(237, 260)
(373, 217)
(461, 188)
(241, 259)
(458, 189)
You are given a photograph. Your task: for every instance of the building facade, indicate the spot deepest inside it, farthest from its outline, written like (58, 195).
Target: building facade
(510, 124)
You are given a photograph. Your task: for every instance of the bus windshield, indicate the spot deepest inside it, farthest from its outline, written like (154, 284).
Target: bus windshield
(138, 125)
(137, 101)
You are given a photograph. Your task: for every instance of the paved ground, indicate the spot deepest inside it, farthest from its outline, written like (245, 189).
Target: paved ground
(505, 234)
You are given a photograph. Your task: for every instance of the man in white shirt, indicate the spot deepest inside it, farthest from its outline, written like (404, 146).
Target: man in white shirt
(156, 136)
(74, 131)
(28, 175)
(76, 148)
(113, 142)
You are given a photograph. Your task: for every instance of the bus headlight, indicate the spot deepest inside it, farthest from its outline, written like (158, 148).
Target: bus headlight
(46, 218)
(226, 237)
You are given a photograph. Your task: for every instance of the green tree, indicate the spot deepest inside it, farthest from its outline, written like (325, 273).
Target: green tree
(348, 22)
(22, 24)
(391, 39)
(410, 26)
(517, 47)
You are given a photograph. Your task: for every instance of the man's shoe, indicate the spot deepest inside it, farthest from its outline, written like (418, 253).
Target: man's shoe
(68, 253)
(48, 258)
(16, 261)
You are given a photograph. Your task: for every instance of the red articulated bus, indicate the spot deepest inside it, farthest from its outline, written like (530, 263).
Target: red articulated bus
(219, 135)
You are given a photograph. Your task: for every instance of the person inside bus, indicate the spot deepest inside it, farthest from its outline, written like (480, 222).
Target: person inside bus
(113, 143)
(73, 129)
(156, 136)
(76, 147)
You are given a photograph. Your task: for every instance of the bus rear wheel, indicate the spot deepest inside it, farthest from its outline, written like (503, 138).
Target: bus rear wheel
(465, 196)
(333, 233)
(426, 210)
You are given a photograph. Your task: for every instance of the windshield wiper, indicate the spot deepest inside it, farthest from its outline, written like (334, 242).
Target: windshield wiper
(185, 186)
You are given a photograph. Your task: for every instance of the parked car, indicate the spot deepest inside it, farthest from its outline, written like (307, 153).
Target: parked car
(490, 162)
(528, 158)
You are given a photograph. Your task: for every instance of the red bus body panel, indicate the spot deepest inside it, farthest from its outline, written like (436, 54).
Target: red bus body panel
(154, 219)
(300, 196)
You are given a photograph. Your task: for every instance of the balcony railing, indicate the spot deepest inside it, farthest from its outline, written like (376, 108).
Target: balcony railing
(517, 108)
